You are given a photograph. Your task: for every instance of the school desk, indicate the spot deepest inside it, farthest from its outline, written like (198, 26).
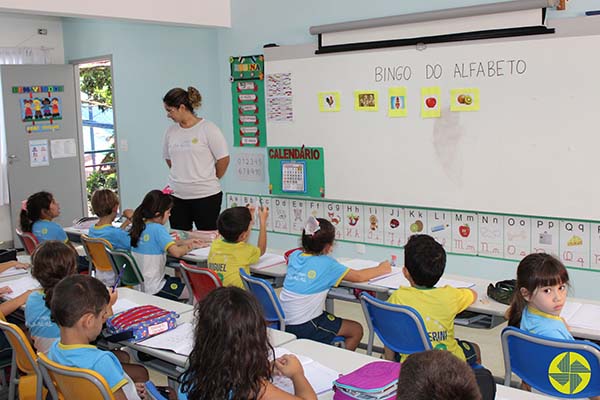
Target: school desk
(344, 361)
(141, 298)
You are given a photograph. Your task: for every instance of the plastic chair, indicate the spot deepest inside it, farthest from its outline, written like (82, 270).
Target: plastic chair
(24, 359)
(201, 280)
(132, 275)
(95, 249)
(400, 328)
(559, 368)
(74, 383)
(152, 392)
(28, 240)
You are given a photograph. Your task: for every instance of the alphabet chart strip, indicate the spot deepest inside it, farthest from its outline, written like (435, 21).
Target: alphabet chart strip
(509, 237)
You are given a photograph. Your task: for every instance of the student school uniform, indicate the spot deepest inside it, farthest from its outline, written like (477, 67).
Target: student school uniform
(308, 280)
(103, 362)
(44, 230)
(43, 331)
(438, 308)
(544, 324)
(226, 259)
(151, 256)
(118, 238)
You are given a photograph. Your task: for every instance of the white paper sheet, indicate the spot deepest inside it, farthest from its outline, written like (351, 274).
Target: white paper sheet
(269, 260)
(179, 340)
(63, 148)
(582, 315)
(319, 376)
(359, 264)
(201, 252)
(12, 272)
(123, 305)
(20, 286)
(396, 280)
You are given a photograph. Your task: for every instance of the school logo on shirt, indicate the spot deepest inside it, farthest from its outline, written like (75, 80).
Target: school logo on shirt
(312, 274)
(569, 372)
(146, 237)
(44, 231)
(194, 140)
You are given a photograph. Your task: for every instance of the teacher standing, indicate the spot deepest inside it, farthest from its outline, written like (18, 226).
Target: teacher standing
(197, 155)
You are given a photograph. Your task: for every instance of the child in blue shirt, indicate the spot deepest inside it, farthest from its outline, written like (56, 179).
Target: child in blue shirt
(150, 243)
(37, 215)
(310, 275)
(105, 204)
(80, 306)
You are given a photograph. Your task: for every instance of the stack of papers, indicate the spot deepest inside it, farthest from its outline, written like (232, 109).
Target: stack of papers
(319, 376)
(20, 286)
(268, 260)
(201, 252)
(581, 315)
(395, 280)
(179, 340)
(12, 272)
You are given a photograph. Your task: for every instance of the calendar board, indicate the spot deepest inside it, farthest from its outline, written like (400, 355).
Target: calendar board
(296, 171)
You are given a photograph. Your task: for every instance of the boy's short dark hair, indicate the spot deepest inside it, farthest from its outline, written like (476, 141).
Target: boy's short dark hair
(75, 296)
(104, 201)
(425, 260)
(436, 374)
(233, 222)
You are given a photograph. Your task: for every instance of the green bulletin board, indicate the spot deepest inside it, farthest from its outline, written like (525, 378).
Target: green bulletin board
(248, 101)
(296, 171)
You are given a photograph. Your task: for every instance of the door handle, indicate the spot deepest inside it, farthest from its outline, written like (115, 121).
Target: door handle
(12, 158)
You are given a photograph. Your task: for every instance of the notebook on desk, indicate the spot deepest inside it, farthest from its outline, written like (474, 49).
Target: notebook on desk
(20, 286)
(319, 376)
(12, 271)
(268, 260)
(179, 340)
(395, 280)
(581, 315)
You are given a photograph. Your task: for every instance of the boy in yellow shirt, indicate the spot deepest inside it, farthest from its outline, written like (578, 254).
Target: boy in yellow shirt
(424, 264)
(231, 252)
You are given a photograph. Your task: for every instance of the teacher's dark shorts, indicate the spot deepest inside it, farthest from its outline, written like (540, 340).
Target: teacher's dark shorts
(200, 212)
(321, 329)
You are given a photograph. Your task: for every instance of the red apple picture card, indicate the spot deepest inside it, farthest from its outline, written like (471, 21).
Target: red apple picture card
(430, 102)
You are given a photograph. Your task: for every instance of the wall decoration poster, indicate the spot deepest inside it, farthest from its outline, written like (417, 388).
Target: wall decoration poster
(280, 105)
(366, 100)
(491, 235)
(374, 224)
(267, 202)
(353, 227)
(440, 229)
(41, 108)
(329, 101)
(297, 215)
(574, 243)
(296, 170)
(464, 233)
(281, 215)
(397, 106)
(63, 148)
(416, 221)
(517, 239)
(250, 167)
(393, 226)
(39, 154)
(334, 213)
(464, 99)
(595, 246)
(430, 102)
(248, 101)
(315, 208)
(545, 236)
(233, 200)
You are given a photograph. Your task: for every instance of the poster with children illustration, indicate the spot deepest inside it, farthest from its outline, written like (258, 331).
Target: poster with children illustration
(41, 109)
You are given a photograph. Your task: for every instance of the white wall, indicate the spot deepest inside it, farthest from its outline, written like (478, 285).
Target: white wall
(18, 30)
(189, 12)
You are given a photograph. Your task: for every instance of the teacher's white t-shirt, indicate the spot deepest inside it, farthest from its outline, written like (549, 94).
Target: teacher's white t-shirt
(193, 153)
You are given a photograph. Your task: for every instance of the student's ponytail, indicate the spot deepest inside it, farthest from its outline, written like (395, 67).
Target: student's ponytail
(515, 311)
(32, 211)
(155, 204)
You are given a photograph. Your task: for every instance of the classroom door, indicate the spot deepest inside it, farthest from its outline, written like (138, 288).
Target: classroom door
(43, 141)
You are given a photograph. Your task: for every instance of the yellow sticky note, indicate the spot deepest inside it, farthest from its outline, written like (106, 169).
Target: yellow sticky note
(329, 101)
(430, 102)
(366, 100)
(397, 102)
(464, 99)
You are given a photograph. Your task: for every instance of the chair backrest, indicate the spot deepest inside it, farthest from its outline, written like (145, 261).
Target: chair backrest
(75, 383)
(95, 248)
(201, 280)
(267, 297)
(559, 368)
(400, 328)
(132, 275)
(28, 240)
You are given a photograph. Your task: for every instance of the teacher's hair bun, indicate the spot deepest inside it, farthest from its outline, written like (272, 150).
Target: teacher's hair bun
(194, 97)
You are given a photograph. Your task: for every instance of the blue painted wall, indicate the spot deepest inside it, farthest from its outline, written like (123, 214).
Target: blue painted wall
(150, 59)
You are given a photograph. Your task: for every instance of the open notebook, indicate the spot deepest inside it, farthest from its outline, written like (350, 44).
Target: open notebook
(20, 286)
(319, 376)
(12, 272)
(179, 340)
(581, 315)
(269, 260)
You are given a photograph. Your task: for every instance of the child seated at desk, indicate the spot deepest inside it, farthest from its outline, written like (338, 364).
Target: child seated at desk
(231, 354)
(105, 204)
(80, 306)
(424, 264)
(310, 275)
(150, 243)
(231, 252)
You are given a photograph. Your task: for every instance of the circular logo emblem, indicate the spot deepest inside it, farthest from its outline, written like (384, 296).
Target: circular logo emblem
(569, 373)
(146, 237)
(44, 231)
(440, 346)
(312, 274)
(174, 286)
(330, 317)
(194, 140)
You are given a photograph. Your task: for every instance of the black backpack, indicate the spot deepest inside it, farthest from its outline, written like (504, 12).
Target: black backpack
(502, 291)
(8, 255)
(486, 383)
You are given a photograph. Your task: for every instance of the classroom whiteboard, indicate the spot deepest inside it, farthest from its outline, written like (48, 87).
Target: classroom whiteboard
(533, 147)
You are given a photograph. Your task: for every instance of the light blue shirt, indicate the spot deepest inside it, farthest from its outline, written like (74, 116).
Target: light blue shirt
(310, 274)
(47, 230)
(90, 357)
(37, 319)
(118, 238)
(541, 323)
(154, 240)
